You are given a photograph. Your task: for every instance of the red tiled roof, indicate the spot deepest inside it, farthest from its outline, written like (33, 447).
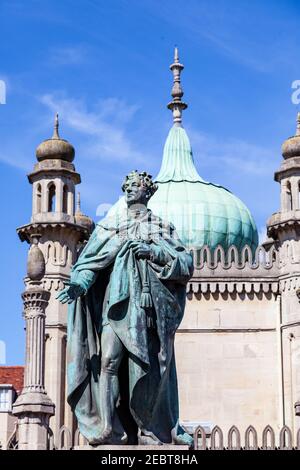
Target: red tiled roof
(13, 375)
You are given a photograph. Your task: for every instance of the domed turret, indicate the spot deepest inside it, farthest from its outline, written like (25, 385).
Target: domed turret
(291, 146)
(82, 219)
(55, 148)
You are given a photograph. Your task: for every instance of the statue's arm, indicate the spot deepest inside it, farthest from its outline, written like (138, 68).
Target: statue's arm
(96, 255)
(159, 255)
(85, 278)
(179, 267)
(79, 284)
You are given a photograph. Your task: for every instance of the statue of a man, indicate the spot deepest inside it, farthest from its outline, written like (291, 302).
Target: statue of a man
(127, 296)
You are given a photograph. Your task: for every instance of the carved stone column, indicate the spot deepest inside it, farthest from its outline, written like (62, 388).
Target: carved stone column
(33, 407)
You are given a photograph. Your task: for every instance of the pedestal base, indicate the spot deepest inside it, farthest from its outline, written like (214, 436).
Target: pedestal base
(33, 410)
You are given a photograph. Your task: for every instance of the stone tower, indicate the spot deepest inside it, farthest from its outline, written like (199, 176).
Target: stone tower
(61, 231)
(284, 228)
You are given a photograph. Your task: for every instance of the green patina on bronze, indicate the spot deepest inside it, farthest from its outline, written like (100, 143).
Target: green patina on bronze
(121, 365)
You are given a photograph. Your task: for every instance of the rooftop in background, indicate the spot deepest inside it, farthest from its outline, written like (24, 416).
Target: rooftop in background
(12, 375)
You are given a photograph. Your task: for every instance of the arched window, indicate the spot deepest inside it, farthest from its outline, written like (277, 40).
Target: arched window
(51, 198)
(65, 199)
(289, 197)
(38, 198)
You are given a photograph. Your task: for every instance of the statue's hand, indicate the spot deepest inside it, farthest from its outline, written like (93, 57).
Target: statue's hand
(70, 293)
(142, 251)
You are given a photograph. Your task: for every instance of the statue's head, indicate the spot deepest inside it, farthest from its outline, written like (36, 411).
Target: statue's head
(138, 188)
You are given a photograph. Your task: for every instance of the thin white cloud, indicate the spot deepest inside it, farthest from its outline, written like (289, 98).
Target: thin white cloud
(107, 146)
(233, 154)
(68, 55)
(234, 30)
(103, 128)
(15, 160)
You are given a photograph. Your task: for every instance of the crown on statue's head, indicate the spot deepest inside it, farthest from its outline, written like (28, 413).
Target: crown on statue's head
(141, 178)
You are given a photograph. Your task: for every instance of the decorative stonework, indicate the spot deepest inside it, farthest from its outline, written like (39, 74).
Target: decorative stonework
(26, 231)
(33, 407)
(231, 286)
(243, 263)
(234, 272)
(35, 301)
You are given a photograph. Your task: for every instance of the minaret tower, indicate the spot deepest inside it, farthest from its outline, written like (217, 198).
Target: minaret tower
(60, 231)
(284, 228)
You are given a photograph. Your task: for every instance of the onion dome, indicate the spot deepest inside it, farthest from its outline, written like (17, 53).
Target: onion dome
(203, 213)
(82, 219)
(291, 146)
(55, 148)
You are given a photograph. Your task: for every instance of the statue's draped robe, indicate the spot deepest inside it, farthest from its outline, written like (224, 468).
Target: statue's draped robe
(108, 261)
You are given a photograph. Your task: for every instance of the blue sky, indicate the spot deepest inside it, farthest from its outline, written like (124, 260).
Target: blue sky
(104, 66)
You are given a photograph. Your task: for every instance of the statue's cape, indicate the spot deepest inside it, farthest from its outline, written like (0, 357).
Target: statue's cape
(151, 387)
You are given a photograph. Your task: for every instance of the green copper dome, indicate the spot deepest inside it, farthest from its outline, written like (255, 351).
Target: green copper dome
(203, 213)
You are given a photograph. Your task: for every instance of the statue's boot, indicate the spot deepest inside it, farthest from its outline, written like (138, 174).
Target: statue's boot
(181, 437)
(109, 394)
(146, 437)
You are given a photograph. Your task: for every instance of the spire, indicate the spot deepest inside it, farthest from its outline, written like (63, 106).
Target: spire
(56, 126)
(298, 124)
(176, 105)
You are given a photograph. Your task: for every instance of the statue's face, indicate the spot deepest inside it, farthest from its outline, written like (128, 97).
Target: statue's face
(135, 193)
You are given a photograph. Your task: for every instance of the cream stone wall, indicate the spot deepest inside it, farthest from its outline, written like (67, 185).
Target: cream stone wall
(7, 424)
(228, 361)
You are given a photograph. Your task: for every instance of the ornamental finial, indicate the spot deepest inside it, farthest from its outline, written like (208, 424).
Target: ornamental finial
(298, 124)
(56, 126)
(176, 105)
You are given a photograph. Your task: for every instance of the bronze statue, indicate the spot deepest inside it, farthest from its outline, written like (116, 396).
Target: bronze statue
(127, 296)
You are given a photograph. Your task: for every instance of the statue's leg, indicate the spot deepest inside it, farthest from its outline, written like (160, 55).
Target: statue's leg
(112, 351)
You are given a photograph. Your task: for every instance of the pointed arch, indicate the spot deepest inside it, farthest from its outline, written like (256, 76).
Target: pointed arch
(232, 256)
(289, 199)
(205, 256)
(217, 433)
(64, 439)
(246, 255)
(234, 433)
(51, 197)
(38, 198)
(219, 256)
(268, 431)
(79, 439)
(65, 199)
(199, 430)
(285, 438)
(251, 432)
